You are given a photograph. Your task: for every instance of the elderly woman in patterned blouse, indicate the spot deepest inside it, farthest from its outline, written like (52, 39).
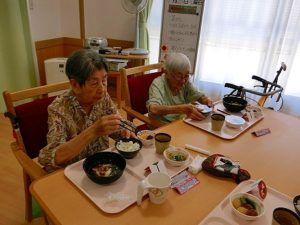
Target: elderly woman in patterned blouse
(81, 119)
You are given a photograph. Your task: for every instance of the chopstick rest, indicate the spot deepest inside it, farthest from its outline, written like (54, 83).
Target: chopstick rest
(196, 149)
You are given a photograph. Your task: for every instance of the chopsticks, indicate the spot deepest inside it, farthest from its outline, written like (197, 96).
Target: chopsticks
(223, 112)
(129, 126)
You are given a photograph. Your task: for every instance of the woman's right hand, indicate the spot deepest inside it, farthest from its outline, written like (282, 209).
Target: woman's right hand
(107, 125)
(194, 113)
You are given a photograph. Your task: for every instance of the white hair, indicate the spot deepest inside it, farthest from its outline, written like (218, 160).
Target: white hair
(177, 62)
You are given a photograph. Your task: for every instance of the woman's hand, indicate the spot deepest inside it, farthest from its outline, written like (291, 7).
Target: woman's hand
(206, 101)
(194, 113)
(127, 134)
(107, 125)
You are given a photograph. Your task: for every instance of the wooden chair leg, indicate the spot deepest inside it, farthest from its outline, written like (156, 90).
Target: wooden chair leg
(46, 220)
(28, 198)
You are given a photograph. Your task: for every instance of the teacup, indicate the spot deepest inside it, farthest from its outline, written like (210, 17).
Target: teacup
(158, 185)
(162, 142)
(283, 216)
(217, 121)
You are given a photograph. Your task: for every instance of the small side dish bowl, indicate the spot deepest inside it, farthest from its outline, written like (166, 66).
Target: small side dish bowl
(146, 137)
(296, 202)
(247, 206)
(176, 156)
(128, 148)
(104, 167)
(234, 121)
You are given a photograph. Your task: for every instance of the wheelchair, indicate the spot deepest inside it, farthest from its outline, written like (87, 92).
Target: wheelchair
(270, 93)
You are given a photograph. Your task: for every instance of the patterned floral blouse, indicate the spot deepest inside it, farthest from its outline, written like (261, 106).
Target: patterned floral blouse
(66, 119)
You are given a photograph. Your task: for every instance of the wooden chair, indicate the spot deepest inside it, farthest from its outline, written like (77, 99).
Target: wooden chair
(30, 127)
(136, 82)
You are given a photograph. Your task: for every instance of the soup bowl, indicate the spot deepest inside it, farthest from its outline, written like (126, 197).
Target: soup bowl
(234, 104)
(104, 167)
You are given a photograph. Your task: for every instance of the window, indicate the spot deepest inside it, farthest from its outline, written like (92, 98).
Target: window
(243, 38)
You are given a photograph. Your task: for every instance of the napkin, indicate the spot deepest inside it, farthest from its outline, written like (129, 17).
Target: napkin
(196, 164)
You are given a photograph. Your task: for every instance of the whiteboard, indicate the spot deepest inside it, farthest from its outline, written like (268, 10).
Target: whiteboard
(181, 24)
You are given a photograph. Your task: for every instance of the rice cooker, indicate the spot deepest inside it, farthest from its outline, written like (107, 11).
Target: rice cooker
(96, 43)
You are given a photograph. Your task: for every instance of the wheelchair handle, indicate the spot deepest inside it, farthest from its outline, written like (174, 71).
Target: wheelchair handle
(254, 77)
(233, 86)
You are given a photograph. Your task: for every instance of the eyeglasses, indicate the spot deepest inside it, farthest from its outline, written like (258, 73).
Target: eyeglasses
(181, 77)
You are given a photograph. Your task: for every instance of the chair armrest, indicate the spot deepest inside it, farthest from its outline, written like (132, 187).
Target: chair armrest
(148, 120)
(29, 166)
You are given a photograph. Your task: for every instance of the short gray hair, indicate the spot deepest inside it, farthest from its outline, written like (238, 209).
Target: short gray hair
(83, 63)
(177, 62)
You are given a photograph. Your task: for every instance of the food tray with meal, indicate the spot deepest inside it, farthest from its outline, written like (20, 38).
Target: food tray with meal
(118, 195)
(225, 214)
(228, 131)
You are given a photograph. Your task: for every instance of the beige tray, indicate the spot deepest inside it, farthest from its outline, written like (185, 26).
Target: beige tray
(224, 215)
(226, 132)
(124, 188)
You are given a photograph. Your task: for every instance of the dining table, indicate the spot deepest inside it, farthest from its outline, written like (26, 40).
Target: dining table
(273, 157)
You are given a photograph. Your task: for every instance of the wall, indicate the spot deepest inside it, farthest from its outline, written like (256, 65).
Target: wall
(54, 18)
(108, 19)
(55, 27)
(60, 18)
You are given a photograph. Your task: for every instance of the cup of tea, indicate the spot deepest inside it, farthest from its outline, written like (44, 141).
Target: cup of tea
(162, 142)
(284, 216)
(158, 185)
(217, 121)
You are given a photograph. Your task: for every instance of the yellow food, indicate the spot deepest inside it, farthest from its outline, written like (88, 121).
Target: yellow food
(242, 210)
(245, 205)
(145, 136)
(236, 203)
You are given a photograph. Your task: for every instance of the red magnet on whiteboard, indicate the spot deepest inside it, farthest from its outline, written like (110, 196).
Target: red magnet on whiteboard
(164, 48)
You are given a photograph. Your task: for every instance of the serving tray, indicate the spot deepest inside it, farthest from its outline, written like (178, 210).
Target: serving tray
(226, 132)
(224, 215)
(117, 196)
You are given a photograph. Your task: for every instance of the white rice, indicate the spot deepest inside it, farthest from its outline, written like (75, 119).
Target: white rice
(128, 146)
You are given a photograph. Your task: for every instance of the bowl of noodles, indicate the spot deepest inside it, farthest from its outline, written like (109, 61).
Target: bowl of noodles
(104, 167)
(128, 148)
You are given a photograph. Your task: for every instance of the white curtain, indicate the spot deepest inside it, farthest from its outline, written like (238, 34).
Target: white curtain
(242, 38)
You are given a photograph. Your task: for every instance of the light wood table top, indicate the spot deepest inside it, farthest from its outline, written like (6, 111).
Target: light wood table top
(273, 157)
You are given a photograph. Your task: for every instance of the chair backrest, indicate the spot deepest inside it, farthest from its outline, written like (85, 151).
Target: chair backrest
(32, 116)
(136, 82)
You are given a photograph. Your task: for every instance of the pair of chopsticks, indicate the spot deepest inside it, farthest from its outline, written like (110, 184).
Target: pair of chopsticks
(226, 113)
(127, 125)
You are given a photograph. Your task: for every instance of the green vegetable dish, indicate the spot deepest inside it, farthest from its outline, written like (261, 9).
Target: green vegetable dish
(177, 156)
